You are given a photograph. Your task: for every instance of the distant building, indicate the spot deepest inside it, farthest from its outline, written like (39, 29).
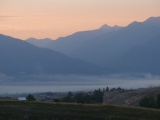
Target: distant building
(22, 98)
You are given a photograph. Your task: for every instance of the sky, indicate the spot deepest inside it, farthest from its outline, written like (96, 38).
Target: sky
(56, 18)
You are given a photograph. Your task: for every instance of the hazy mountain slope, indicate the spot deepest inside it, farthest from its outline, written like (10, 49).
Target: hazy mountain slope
(20, 57)
(141, 59)
(39, 42)
(69, 43)
(107, 48)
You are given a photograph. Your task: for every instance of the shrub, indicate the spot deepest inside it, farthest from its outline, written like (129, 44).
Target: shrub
(148, 102)
(30, 98)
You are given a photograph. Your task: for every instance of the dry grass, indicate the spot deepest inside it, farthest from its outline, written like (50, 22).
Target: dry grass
(15, 110)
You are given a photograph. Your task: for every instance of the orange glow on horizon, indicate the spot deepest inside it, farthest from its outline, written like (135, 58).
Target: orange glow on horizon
(55, 18)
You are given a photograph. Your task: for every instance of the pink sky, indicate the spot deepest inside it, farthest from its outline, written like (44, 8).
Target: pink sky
(55, 18)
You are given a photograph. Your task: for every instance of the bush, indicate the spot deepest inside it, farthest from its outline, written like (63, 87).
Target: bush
(158, 100)
(148, 102)
(56, 100)
(30, 98)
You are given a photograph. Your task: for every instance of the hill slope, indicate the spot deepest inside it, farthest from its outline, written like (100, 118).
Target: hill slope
(20, 57)
(129, 97)
(39, 42)
(141, 59)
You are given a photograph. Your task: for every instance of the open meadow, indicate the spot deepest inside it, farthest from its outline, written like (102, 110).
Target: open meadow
(17, 110)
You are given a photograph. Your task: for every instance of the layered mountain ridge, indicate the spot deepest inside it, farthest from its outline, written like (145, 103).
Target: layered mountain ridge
(19, 57)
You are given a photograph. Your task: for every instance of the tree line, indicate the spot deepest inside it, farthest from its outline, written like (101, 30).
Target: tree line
(150, 102)
(86, 98)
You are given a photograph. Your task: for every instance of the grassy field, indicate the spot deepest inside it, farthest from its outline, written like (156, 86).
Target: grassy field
(15, 110)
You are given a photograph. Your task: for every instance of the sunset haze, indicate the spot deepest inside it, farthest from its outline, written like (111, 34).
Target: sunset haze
(55, 18)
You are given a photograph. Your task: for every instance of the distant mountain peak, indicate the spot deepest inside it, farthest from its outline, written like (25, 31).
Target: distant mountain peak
(105, 26)
(133, 23)
(153, 20)
(116, 26)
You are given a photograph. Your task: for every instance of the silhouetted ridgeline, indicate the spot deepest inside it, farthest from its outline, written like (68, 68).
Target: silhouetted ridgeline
(130, 49)
(18, 57)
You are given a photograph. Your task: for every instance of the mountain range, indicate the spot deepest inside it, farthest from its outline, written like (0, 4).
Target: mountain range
(18, 57)
(124, 49)
(104, 49)
(131, 49)
(69, 43)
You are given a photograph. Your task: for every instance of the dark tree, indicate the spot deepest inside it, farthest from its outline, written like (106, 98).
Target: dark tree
(158, 100)
(56, 100)
(107, 89)
(30, 98)
(68, 97)
(70, 94)
(148, 102)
